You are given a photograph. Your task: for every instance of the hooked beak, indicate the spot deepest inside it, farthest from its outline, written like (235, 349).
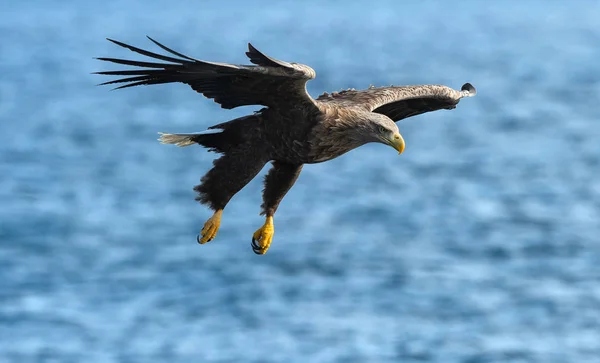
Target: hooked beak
(397, 142)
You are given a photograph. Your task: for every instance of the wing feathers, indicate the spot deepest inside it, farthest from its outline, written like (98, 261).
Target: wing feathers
(139, 63)
(127, 79)
(147, 53)
(399, 102)
(262, 59)
(171, 50)
(468, 90)
(270, 83)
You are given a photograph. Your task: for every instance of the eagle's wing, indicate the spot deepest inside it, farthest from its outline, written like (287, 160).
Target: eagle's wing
(399, 102)
(270, 82)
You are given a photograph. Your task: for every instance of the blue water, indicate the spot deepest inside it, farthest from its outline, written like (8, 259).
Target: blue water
(481, 243)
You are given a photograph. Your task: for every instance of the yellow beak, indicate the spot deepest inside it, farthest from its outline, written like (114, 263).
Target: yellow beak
(397, 142)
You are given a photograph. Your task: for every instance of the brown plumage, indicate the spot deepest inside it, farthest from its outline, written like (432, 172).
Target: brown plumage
(291, 130)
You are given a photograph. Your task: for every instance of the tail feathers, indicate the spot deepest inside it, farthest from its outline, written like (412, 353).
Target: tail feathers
(180, 140)
(215, 139)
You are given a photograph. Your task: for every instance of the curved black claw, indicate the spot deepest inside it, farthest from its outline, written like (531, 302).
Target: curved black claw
(256, 248)
(200, 242)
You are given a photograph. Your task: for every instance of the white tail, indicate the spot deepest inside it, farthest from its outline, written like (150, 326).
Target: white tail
(180, 140)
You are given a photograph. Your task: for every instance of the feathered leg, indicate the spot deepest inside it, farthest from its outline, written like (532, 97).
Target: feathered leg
(278, 182)
(230, 174)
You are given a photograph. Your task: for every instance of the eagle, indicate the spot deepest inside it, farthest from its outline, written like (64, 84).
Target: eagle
(292, 128)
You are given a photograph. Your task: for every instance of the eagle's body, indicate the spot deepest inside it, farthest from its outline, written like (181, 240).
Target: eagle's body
(292, 129)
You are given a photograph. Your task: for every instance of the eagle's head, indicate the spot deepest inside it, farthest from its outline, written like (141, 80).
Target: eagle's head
(380, 128)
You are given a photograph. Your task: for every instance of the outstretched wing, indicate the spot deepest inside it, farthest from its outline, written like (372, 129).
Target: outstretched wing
(270, 82)
(399, 102)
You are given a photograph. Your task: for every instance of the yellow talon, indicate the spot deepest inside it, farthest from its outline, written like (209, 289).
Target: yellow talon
(261, 240)
(209, 231)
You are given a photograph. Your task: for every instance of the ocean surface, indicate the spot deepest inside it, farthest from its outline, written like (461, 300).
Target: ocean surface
(481, 243)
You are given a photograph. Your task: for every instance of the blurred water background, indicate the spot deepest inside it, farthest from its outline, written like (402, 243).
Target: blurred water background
(479, 244)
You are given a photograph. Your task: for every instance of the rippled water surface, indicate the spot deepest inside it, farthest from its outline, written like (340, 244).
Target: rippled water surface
(480, 243)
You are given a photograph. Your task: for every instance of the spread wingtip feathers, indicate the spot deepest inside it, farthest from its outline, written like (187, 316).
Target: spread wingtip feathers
(468, 90)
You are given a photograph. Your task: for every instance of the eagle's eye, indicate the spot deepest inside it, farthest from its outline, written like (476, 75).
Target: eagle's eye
(382, 129)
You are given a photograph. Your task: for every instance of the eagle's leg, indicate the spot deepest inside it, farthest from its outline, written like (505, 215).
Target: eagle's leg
(278, 182)
(230, 174)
